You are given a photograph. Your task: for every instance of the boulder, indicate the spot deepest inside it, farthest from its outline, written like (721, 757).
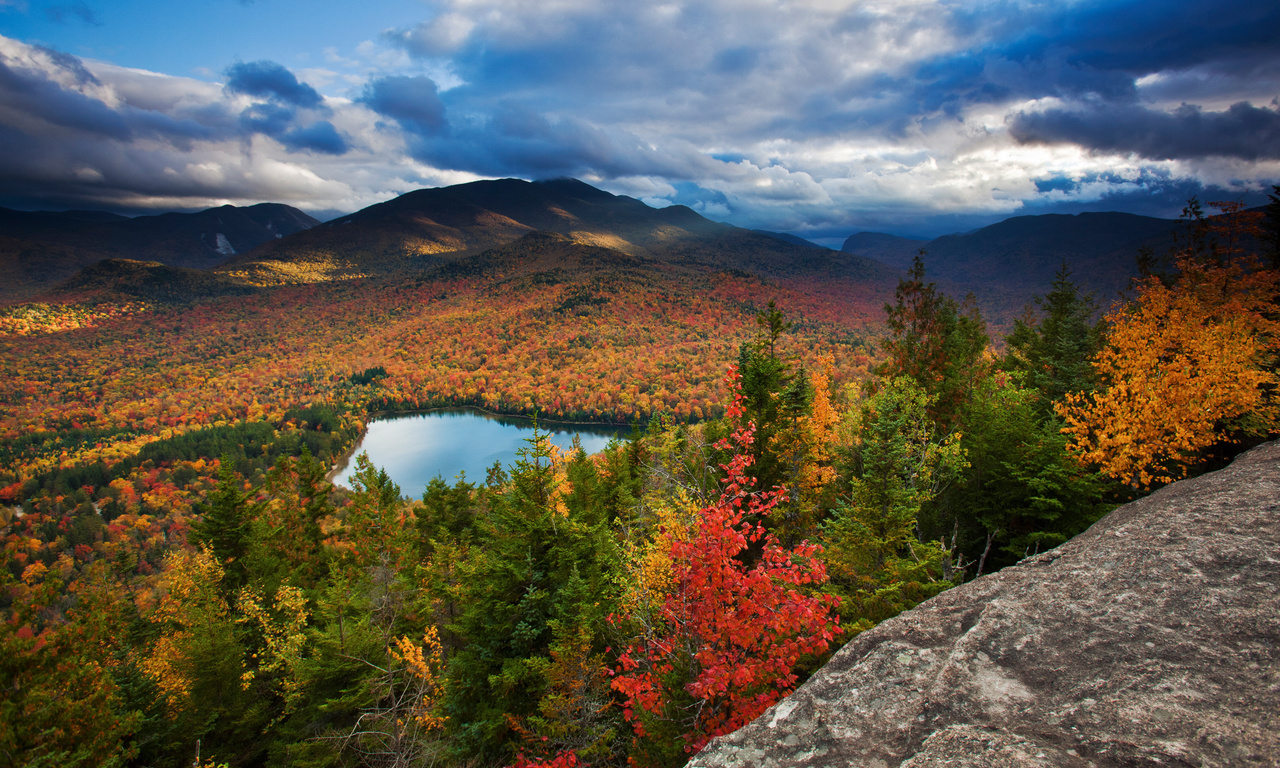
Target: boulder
(1152, 639)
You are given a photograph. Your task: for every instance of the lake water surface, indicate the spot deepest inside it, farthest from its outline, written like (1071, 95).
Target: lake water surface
(414, 448)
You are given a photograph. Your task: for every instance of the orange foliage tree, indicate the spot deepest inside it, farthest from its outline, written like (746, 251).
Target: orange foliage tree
(1187, 364)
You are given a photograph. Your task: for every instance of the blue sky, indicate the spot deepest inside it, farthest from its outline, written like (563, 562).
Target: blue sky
(817, 117)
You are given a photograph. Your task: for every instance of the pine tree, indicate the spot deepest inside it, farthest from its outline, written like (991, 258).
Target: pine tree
(543, 557)
(225, 526)
(766, 379)
(935, 341)
(898, 463)
(1055, 352)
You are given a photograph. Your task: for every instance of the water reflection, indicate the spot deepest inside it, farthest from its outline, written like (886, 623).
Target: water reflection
(414, 448)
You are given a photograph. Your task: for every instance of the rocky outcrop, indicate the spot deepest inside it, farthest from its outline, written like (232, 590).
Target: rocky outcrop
(1152, 639)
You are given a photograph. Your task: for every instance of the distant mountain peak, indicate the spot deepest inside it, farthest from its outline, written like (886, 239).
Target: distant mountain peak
(39, 249)
(426, 227)
(1005, 264)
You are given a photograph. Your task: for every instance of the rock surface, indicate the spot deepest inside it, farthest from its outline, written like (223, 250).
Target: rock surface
(1152, 639)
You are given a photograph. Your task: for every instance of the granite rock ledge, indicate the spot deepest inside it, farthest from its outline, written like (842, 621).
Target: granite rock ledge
(1152, 639)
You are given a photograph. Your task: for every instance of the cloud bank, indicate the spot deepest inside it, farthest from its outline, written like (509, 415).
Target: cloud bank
(818, 117)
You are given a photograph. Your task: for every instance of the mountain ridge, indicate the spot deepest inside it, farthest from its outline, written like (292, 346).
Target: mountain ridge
(427, 227)
(1025, 252)
(40, 249)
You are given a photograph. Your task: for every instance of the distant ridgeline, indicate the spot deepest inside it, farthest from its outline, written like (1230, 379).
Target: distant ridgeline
(42, 248)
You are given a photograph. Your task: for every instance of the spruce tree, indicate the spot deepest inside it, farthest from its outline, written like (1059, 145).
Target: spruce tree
(1055, 353)
(225, 526)
(936, 341)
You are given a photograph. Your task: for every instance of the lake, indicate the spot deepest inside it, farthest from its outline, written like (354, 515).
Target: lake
(414, 448)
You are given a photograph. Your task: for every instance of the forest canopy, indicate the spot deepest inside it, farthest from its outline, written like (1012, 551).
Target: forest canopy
(184, 583)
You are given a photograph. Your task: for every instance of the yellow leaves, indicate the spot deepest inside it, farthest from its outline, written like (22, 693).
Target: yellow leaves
(34, 573)
(283, 630)
(191, 611)
(652, 574)
(163, 666)
(561, 488)
(190, 579)
(818, 430)
(1184, 366)
(425, 664)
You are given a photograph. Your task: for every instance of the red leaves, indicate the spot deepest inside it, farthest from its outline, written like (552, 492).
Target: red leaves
(735, 630)
(563, 760)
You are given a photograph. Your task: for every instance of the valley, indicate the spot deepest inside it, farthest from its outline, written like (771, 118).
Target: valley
(819, 440)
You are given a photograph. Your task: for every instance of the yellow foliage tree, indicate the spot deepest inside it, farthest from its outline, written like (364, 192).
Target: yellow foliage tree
(424, 664)
(283, 623)
(196, 623)
(815, 474)
(1186, 365)
(675, 490)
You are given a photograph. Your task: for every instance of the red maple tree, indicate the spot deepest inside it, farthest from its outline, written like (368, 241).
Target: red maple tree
(727, 639)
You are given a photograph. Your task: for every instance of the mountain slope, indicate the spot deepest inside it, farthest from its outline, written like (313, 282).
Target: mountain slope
(1100, 246)
(149, 280)
(427, 227)
(40, 249)
(1018, 257)
(887, 249)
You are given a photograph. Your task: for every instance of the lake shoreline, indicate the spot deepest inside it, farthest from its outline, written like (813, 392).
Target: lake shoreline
(500, 414)
(340, 465)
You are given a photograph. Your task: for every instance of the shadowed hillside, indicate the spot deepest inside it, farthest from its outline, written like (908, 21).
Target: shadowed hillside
(430, 226)
(149, 280)
(1006, 263)
(40, 249)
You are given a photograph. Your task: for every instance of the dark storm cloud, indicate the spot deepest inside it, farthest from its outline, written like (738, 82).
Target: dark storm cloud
(28, 95)
(1243, 131)
(73, 139)
(319, 137)
(268, 118)
(1143, 37)
(413, 102)
(1095, 51)
(36, 96)
(728, 79)
(518, 141)
(280, 122)
(267, 79)
(796, 115)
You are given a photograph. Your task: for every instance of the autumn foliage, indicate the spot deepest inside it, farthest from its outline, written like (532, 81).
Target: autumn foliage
(726, 641)
(179, 571)
(1190, 362)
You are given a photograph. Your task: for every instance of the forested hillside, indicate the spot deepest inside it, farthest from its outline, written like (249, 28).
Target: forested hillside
(819, 452)
(427, 227)
(38, 249)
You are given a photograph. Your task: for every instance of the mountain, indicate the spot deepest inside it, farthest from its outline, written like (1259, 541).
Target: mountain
(428, 227)
(1013, 259)
(888, 249)
(29, 225)
(787, 238)
(544, 254)
(39, 249)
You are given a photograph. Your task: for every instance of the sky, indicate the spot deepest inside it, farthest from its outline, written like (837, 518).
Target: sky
(817, 117)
